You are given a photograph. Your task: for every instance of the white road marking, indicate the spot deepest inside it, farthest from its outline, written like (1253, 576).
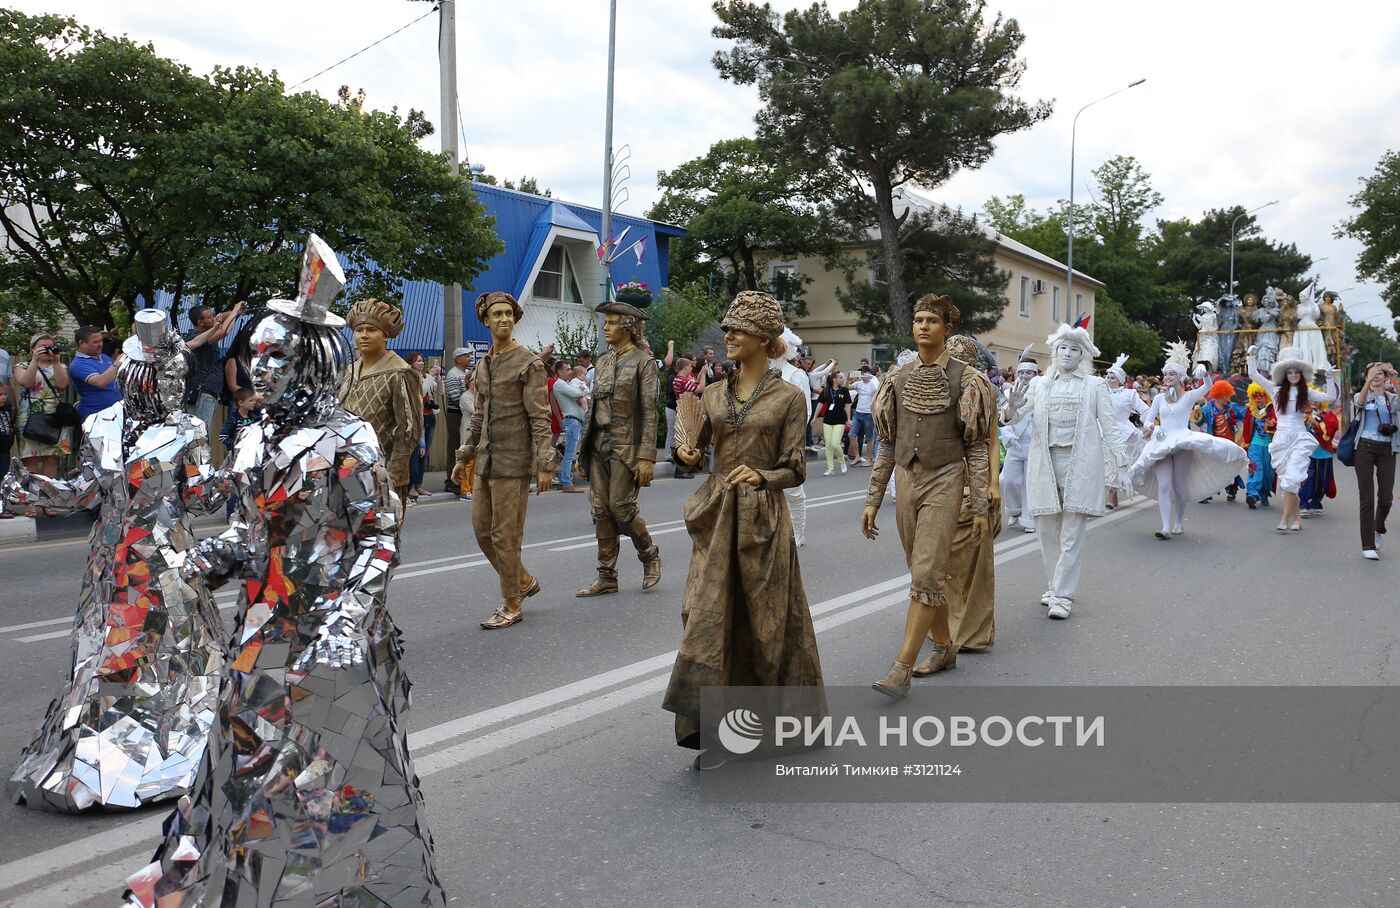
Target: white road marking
(129, 836)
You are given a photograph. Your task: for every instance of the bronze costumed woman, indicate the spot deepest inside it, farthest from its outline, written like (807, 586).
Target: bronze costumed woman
(745, 614)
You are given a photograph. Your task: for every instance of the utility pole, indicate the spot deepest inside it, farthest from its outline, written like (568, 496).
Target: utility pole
(608, 149)
(452, 332)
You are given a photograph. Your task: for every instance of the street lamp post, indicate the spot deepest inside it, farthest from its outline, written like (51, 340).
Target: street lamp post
(1074, 127)
(1231, 288)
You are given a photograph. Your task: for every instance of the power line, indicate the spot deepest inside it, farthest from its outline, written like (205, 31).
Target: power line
(363, 49)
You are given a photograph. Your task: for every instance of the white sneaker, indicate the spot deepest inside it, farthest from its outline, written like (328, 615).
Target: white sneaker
(862, 462)
(843, 466)
(1380, 541)
(1059, 609)
(1047, 597)
(1371, 555)
(829, 472)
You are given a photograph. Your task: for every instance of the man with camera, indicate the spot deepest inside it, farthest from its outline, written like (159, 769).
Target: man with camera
(206, 382)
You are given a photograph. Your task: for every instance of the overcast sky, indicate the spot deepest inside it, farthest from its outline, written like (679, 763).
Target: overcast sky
(1246, 101)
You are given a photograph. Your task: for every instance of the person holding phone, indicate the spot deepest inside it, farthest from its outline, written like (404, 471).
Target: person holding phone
(1377, 443)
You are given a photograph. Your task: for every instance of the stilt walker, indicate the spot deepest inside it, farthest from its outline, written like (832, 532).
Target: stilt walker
(618, 447)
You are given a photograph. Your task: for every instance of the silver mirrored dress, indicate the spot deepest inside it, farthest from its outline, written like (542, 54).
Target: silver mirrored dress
(307, 795)
(130, 726)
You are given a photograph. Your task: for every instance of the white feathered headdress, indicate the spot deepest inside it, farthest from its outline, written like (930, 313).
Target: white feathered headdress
(1025, 362)
(1178, 359)
(793, 344)
(905, 357)
(1117, 368)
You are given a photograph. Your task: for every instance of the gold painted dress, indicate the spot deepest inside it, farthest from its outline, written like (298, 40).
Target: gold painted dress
(745, 615)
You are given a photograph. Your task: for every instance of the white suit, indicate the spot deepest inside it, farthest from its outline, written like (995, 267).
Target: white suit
(1017, 438)
(1070, 413)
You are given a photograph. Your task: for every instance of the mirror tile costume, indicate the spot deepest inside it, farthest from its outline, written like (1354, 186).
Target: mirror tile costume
(130, 726)
(307, 794)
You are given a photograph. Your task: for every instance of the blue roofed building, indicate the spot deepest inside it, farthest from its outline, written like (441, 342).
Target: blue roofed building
(550, 263)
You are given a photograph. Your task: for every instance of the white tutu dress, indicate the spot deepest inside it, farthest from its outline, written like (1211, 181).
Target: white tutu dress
(1215, 462)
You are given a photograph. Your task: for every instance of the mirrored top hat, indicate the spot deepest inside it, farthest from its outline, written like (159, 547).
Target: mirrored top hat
(321, 279)
(152, 327)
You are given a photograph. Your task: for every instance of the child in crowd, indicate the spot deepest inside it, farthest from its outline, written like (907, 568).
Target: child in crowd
(245, 410)
(1320, 483)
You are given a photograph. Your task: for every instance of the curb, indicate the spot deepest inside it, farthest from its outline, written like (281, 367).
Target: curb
(17, 532)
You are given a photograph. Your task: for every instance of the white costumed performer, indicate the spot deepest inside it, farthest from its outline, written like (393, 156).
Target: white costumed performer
(1293, 443)
(1016, 437)
(797, 495)
(1125, 402)
(1178, 465)
(1072, 427)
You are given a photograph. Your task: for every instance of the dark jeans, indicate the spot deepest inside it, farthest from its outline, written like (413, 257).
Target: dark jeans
(1316, 485)
(6, 443)
(418, 463)
(1375, 478)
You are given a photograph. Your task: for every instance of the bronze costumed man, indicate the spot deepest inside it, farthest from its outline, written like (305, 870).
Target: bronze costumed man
(509, 438)
(934, 420)
(618, 449)
(383, 390)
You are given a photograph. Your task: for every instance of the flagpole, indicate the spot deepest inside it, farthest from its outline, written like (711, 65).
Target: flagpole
(608, 152)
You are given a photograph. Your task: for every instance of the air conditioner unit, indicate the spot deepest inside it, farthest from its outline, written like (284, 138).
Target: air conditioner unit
(1038, 286)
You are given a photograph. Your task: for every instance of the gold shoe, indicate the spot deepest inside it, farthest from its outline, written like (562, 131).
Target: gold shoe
(504, 616)
(896, 682)
(651, 572)
(942, 659)
(599, 587)
(531, 589)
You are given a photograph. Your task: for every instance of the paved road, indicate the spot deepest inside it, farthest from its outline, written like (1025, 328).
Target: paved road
(551, 778)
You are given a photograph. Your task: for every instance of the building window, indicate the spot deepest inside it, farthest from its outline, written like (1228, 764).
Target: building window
(556, 279)
(1025, 296)
(1078, 306)
(1055, 305)
(881, 354)
(782, 278)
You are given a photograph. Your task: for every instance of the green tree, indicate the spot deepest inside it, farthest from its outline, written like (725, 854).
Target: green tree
(127, 175)
(1377, 226)
(681, 315)
(891, 93)
(1195, 257)
(740, 204)
(1371, 345)
(945, 252)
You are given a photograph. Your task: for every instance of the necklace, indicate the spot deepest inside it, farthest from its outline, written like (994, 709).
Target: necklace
(736, 419)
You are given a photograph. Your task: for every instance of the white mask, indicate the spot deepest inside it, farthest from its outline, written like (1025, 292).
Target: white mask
(1068, 356)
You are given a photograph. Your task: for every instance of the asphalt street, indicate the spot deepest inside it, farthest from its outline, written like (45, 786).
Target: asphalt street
(551, 776)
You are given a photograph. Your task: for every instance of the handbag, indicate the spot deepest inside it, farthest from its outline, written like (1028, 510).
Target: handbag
(47, 428)
(1346, 445)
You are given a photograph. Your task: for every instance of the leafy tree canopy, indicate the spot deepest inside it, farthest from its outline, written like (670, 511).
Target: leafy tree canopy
(740, 204)
(892, 92)
(680, 315)
(124, 174)
(1377, 226)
